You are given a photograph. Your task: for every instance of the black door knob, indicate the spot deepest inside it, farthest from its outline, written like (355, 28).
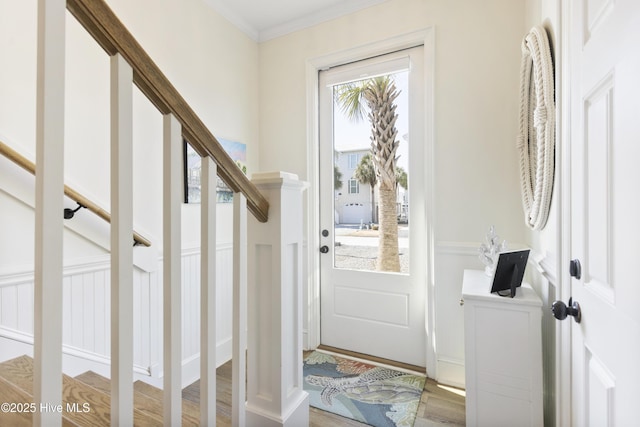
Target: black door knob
(324, 249)
(575, 269)
(561, 311)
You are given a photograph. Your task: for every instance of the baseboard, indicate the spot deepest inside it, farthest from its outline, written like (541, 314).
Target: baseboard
(450, 372)
(191, 365)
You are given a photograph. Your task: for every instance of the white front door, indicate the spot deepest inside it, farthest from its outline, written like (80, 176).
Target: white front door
(363, 310)
(604, 70)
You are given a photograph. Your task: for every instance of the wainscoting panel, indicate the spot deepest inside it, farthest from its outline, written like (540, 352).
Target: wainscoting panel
(451, 259)
(13, 301)
(542, 274)
(190, 304)
(86, 315)
(191, 310)
(86, 302)
(143, 287)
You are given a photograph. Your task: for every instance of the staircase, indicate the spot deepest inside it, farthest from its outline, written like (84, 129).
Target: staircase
(86, 399)
(267, 264)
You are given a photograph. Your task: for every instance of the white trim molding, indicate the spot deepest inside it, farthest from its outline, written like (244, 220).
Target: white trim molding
(543, 276)
(262, 33)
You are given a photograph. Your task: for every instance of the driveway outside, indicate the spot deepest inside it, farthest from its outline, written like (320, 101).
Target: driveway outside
(358, 249)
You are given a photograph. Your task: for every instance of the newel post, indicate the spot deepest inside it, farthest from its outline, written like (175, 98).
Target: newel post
(274, 343)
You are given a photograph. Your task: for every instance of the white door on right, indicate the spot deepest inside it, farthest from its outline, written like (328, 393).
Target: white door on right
(604, 67)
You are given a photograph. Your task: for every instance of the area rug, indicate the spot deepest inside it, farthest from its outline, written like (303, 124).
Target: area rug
(371, 394)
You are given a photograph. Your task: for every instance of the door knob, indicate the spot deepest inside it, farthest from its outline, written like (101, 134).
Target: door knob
(324, 249)
(575, 269)
(561, 311)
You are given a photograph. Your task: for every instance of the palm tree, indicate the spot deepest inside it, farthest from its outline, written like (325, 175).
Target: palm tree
(337, 178)
(379, 94)
(366, 174)
(401, 178)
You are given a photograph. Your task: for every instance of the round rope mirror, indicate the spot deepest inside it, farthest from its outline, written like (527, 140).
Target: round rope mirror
(536, 139)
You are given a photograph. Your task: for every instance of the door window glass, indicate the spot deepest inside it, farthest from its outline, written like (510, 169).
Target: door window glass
(371, 167)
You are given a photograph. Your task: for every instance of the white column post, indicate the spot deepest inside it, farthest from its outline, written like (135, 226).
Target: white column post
(172, 276)
(208, 360)
(121, 242)
(275, 396)
(49, 206)
(239, 359)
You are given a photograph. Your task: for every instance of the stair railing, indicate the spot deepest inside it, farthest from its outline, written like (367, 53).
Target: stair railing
(267, 271)
(99, 21)
(74, 195)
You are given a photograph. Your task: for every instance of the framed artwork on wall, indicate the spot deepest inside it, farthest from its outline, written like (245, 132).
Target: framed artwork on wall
(193, 168)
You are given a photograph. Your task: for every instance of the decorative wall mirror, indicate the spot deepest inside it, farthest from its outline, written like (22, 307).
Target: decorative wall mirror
(536, 138)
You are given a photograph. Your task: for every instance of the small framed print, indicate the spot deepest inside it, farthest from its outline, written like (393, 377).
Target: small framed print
(193, 171)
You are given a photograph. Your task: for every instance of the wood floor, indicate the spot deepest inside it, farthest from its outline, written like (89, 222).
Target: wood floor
(438, 407)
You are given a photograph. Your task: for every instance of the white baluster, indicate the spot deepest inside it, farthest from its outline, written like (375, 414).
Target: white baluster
(208, 294)
(239, 361)
(48, 212)
(121, 242)
(172, 277)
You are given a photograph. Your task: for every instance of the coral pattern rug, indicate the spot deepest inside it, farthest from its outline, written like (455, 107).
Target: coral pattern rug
(371, 394)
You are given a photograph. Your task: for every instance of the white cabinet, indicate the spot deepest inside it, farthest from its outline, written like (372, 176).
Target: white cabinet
(503, 354)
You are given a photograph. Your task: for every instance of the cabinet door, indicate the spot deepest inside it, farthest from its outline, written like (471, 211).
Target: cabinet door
(503, 363)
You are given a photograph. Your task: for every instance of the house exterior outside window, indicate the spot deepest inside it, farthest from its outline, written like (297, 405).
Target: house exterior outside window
(354, 186)
(353, 201)
(353, 160)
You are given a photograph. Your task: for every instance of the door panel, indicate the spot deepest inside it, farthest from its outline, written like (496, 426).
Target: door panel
(604, 67)
(363, 310)
(598, 108)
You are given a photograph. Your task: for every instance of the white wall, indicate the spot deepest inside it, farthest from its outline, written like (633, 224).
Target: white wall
(477, 60)
(211, 63)
(545, 244)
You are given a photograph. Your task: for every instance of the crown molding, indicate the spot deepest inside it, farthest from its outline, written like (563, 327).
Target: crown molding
(234, 18)
(315, 18)
(306, 21)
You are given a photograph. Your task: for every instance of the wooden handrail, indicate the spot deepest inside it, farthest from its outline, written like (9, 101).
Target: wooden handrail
(100, 21)
(30, 167)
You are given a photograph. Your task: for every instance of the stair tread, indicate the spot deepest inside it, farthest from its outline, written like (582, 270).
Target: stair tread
(189, 409)
(10, 393)
(142, 402)
(148, 400)
(223, 397)
(19, 371)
